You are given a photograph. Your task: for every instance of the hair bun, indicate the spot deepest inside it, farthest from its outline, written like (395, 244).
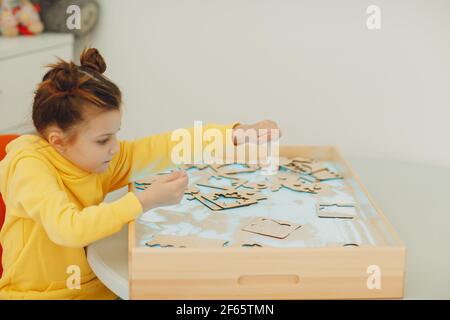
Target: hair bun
(65, 76)
(92, 59)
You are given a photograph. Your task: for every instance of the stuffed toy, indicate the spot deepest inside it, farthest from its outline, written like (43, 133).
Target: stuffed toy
(19, 17)
(8, 22)
(27, 15)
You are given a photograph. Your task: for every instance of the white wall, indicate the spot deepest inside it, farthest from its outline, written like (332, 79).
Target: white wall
(312, 66)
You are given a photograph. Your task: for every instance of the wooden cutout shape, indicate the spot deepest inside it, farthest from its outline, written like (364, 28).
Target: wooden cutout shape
(243, 197)
(190, 166)
(219, 168)
(171, 241)
(191, 190)
(302, 186)
(194, 193)
(301, 160)
(293, 182)
(322, 212)
(242, 194)
(309, 166)
(259, 185)
(205, 182)
(283, 161)
(271, 228)
(300, 183)
(235, 182)
(240, 202)
(308, 178)
(294, 168)
(326, 174)
(315, 167)
(303, 167)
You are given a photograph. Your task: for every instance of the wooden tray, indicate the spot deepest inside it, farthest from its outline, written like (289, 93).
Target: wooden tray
(328, 272)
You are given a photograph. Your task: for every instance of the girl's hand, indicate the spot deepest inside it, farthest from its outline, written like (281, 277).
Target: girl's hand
(263, 130)
(165, 191)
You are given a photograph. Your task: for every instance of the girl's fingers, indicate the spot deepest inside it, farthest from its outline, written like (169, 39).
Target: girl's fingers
(172, 176)
(182, 182)
(264, 137)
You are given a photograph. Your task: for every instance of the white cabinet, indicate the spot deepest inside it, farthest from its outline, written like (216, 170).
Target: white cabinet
(22, 66)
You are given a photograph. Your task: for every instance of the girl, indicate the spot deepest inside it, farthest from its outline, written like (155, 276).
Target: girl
(53, 183)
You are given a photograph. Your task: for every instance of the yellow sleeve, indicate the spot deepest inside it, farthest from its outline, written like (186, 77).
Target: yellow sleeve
(150, 155)
(35, 188)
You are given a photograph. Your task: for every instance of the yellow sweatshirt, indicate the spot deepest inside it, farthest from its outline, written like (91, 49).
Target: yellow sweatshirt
(54, 209)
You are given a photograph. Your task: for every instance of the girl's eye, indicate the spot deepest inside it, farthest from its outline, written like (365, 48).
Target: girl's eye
(102, 141)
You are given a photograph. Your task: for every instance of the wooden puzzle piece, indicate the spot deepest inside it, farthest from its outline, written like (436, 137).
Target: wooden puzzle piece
(283, 160)
(337, 210)
(191, 190)
(308, 178)
(314, 167)
(308, 166)
(242, 194)
(190, 166)
(297, 164)
(302, 167)
(240, 202)
(211, 200)
(209, 204)
(235, 182)
(302, 186)
(301, 160)
(326, 174)
(171, 241)
(243, 198)
(271, 228)
(325, 190)
(260, 185)
(293, 182)
(302, 176)
(294, 168)
(222, 170)
(277, 181)
(273, 183)
(194, 193)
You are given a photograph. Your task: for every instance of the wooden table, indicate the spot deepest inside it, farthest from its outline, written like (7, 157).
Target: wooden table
(412, 197)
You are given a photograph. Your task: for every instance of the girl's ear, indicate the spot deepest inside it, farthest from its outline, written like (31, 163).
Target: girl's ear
(56, 138)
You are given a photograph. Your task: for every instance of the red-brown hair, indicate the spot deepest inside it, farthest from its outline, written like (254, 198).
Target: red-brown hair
(67, 90)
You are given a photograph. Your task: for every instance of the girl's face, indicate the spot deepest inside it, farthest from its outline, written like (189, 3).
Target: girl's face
(95, 144)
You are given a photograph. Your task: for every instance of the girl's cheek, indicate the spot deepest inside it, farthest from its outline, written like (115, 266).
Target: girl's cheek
(115, 147)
